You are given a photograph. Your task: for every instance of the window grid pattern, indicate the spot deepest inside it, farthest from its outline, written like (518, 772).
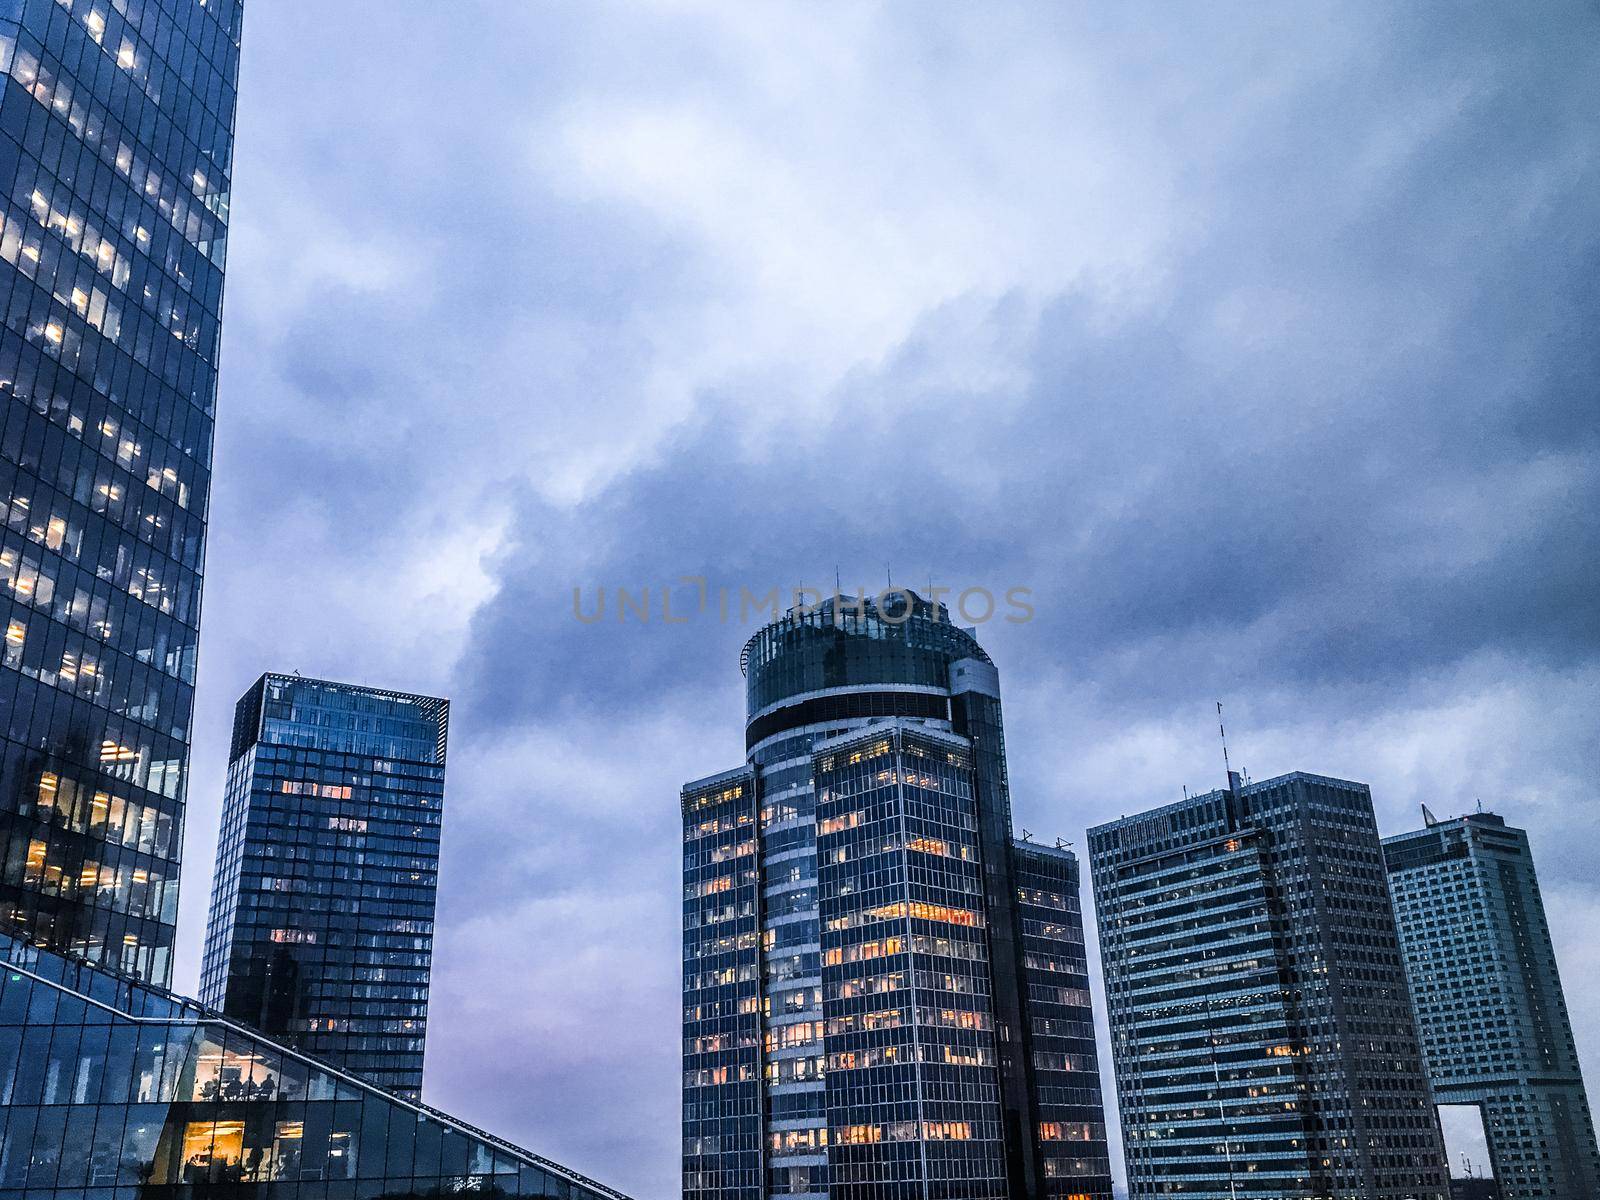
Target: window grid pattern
(115, 152)
(116, 141)
(321, 930)
(1071, 1128)
(859, 669)
(1490, 1005)
(1255, 990)
(722, 1052)
(913, 1088)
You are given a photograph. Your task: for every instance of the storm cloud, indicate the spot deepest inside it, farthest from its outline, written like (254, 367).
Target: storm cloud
(1259, 346)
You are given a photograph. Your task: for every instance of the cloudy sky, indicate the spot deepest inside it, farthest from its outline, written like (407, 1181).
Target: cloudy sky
(1258, 343)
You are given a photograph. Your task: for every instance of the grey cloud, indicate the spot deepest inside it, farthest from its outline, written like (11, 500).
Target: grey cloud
(1262, 352)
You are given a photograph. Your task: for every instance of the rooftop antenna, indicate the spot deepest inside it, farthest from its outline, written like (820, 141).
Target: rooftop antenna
(1480, 804)
(837, 586)
(1227, 767)
(1027, 834)
(1428, 819)
(889, 575)
(1186, 791)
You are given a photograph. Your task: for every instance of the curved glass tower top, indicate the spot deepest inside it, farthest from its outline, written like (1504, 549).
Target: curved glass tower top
(851, 658)
(845, 642)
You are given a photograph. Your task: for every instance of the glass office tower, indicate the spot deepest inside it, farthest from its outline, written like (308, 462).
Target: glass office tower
(1261, 1029)
(1055, 977)
(884, 995)
(114, 1090)
(1495, 1031)
(116, 126)
(321, 930)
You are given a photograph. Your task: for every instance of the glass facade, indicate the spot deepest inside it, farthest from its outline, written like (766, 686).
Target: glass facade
(113, 1090)
(116, 121)
(858, 1019)
(841, 643)
(1066, 1074)
(321, 930)
(1490, 1006)
(912, 1086)
(722, 998)
(1261, 1028)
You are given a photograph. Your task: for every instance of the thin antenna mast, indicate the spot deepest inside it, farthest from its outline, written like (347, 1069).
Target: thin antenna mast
(1226, 765)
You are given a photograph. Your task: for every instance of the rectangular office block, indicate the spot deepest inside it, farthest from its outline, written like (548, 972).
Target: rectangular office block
(1490, 1007)
(321, 930)
(1260, 1022)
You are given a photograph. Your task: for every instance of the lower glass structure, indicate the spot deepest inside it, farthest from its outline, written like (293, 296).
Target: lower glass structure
(111, 1089)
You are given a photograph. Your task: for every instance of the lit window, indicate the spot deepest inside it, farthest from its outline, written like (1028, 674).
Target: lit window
(115, 752)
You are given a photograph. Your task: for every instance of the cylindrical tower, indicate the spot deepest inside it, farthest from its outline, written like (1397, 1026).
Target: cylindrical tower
(823, 670)
(867, 1011)
(815, 674)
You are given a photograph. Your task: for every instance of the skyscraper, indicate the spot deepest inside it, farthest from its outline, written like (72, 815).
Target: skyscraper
(884, 995)
(116, 125)
(1495, 1031)
(1261, 1029)
(321, 929)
